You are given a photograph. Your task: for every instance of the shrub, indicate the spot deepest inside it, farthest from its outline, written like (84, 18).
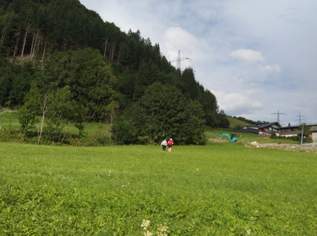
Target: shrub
(124, 132)
(161, 112)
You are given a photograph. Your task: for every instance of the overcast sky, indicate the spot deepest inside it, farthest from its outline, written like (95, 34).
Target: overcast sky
(257, 56)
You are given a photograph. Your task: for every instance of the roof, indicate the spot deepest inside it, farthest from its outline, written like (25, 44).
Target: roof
(290, 127)
(254, 130)
(310, 125)
(251, 127)
(313, 129)
(270, 125)
(287, 132)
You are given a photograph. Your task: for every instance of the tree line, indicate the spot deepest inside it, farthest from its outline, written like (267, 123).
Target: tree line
(60, 63)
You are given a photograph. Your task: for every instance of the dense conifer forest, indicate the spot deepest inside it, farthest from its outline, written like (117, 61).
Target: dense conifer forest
(60, 63)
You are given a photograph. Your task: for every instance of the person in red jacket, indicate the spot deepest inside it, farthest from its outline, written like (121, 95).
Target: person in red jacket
(170, 144)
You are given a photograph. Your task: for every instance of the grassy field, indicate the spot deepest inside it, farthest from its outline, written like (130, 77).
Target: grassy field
(211, 190)
(9, 119)
(234, 122)
(95, 133)
(214, 135)
(99, 133)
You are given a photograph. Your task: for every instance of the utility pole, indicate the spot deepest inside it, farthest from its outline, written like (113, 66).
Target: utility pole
(302, 135)
(300, 119)
(300, 122)
(278, 116)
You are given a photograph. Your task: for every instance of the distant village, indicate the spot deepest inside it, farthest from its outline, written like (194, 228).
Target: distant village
(276, 129)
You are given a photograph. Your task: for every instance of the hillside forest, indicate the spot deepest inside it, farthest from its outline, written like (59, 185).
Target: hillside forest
(61, 64)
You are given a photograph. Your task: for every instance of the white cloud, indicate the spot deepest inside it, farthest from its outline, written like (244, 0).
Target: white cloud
(255, 57)
(239, 104)
(237, 46)
(176, 38)
(247, 55)
(271, 68)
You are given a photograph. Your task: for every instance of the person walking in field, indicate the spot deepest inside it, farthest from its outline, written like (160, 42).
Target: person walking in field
(170, 144)
(164, 144)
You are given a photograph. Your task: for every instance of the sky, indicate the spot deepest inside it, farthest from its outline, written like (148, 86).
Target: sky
(258, 57)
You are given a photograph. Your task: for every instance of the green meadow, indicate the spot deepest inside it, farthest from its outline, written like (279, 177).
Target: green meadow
(217, 189)
(100, 133)
(95, 134)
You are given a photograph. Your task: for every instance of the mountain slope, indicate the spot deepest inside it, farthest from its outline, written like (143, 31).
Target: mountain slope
(63, 47)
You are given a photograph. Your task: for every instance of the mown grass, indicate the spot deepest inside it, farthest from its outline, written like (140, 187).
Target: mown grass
(234, 122)
(9, 119)
(94, 133)
(100, 133)
(209, 190)
(245, 138)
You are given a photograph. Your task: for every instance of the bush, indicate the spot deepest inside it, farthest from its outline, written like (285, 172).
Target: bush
(222, 120)
(124, 132)
(161, 112)
(9, 135)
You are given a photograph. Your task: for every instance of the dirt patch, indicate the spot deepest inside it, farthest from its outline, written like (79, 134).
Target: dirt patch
(288, 147)
(217, 140)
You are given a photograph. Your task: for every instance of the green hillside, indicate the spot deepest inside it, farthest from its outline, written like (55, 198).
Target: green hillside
(237, 123)
(62, 62)
(97, 133)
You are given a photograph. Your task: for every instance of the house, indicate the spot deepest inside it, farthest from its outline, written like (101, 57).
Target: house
(289, 131)
(263, 129)
(269, 129)
(313, 130)
(250, 129)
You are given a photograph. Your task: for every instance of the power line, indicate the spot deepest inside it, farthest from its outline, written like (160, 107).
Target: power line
(300, 119)
(301, 124)
(278, 115)
(179, 60)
